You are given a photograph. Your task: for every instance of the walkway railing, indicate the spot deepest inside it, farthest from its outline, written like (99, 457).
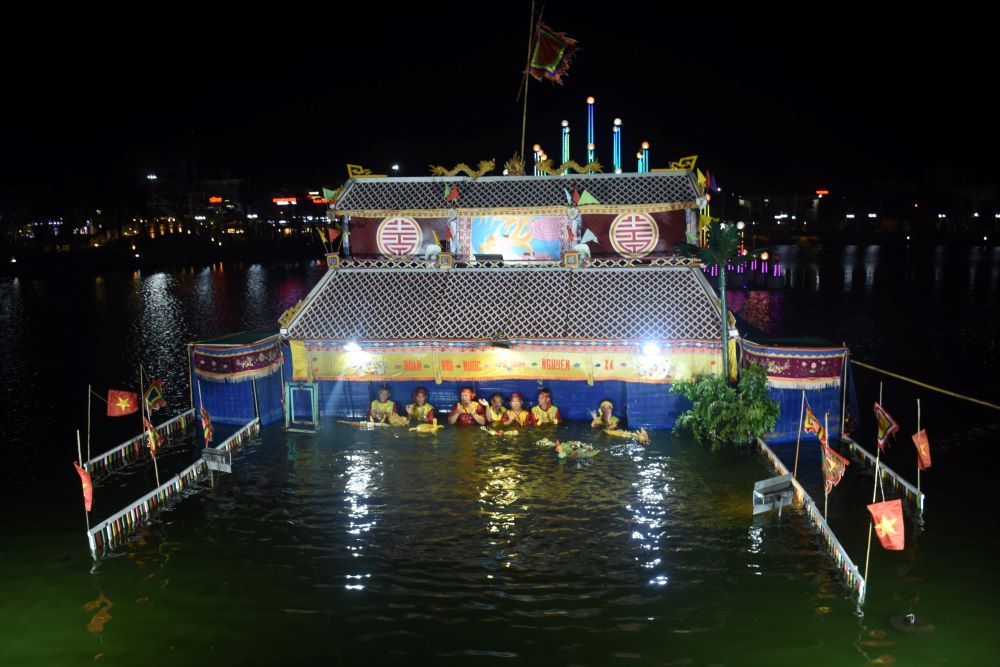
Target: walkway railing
(909, 491)
(130, 450)
(115, 529)
(844, 563)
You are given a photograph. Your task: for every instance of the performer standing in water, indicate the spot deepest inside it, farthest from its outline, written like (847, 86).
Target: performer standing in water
(382, 408)
(420, 410)
(465, 412)
(602, 417)
(494, 409)
(545, 413)
(517, 415)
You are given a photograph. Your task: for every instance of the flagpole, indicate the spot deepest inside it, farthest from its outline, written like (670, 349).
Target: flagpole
(843, 399)
(918, 450)
(826, 495)
(201, 417)
(527, 65)
(878, 452)
(145, 418)
(86, 514)
(798, 435)
(88, 424)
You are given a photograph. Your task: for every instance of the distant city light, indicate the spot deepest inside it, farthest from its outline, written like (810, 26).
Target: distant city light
(215, 200)
(199, 217)
(137, 255)
(151, 177)
(822, 193)
(651, 349)
(941, 216)
(251, 216)
(395, 167)
(872, 215)
(13, 260)
(850, 216)
(285, 201)
(907, 237)
(740, 225)
(976, 214)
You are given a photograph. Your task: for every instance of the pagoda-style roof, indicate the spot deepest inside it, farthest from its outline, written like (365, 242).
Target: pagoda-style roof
(651, 192)
(592, 305)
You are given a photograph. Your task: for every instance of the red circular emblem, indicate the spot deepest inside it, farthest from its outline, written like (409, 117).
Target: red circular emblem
(634, 235)
(399, 237)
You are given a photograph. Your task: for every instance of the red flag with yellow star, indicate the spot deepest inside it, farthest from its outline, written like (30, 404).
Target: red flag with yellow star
(888, 518)
(923, 449)
(88, 488)
(121, 403)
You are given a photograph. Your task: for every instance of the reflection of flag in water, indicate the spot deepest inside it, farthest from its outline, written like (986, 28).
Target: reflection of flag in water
(546, 229)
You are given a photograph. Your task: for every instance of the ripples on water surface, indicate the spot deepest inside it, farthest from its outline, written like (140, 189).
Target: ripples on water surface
(378, 547)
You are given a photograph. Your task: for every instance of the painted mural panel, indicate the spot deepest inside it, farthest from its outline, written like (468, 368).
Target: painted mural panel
(520, 237)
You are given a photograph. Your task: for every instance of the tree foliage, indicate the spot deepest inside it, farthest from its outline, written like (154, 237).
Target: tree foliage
(722, 415)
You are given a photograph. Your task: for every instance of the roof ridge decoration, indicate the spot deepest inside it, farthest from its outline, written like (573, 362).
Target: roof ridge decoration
(421, 197)
(485, 167)
(545, 166)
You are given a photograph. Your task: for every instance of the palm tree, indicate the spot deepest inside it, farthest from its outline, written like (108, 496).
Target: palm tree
(723, 248)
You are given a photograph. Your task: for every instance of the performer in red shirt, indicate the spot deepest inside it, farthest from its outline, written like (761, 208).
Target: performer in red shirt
(465, 412)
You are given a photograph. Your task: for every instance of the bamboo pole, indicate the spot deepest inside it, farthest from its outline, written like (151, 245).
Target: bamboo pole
(878, 452)
(527, 65)
(145, 418)
(798, 435)
(926, 386)
(843, 399)
(89, 391)
(826, 492)
(918, 451)
(86, 513)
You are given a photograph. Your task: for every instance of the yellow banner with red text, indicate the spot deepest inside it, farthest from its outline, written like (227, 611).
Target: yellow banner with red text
(318, 362)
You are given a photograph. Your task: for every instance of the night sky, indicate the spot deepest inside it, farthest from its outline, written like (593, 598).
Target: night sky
(772, 103)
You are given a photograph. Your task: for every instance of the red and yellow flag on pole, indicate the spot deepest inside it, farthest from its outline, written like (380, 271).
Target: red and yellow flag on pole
(923, 446)
(885, 425)
(550, 54)
(888, 519)
(834, 466)
(813, 425)
(88, 487)
(206, 425)
(121, 403)
(152, 435)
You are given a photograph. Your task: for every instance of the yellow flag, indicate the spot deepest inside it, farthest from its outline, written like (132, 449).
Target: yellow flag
(701, 178)
(322, 236)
